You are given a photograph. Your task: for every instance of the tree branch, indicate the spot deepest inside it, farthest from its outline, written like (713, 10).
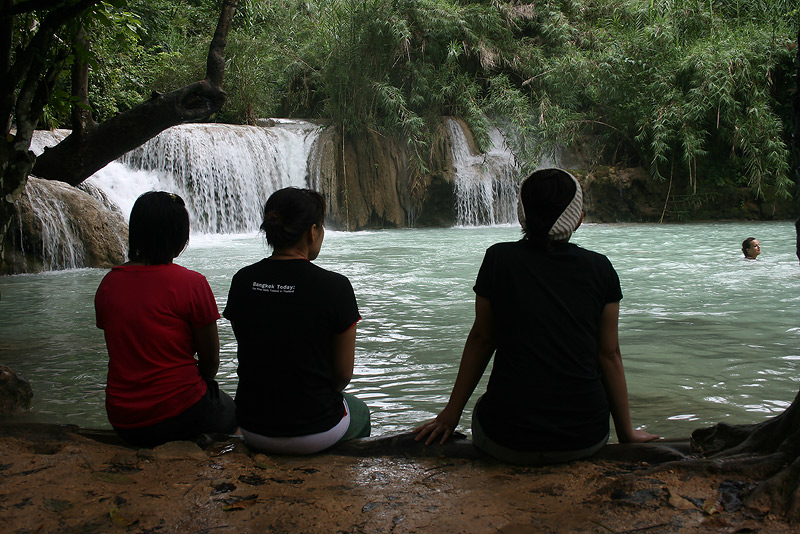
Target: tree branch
(85, 152)
(215, 66)
(6, 40)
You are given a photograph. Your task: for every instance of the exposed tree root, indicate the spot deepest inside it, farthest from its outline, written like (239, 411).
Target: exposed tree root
(769, 451)
(779, 493)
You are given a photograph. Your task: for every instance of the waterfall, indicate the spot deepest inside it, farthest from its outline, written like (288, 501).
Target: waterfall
(58, 226)
(223, 172)
(62, 247)
(485, 184)
(51, 226)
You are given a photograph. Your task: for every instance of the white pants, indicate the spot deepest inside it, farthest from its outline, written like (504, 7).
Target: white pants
(308, 444)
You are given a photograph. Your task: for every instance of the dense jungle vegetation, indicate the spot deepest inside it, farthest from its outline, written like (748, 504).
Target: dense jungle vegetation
(696, 91)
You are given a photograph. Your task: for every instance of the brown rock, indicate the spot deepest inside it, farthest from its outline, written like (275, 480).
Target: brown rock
(372, 183)
(61, 227)
(15, 392)
(678, 501)
(621, 194)
(64, 492)
(174, 450)
(366, 184)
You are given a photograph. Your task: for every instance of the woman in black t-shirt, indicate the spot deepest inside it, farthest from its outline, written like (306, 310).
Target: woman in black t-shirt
(295, 325)
(547, 310)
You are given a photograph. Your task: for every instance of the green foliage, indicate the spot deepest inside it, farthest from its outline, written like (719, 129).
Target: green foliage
(695, 90)
(265, 52)
(679, 85)
(119, 66)
(710, 93)
(175, 36)
(125, 61)
(397, 66)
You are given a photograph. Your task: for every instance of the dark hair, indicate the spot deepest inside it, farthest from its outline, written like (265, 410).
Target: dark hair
(289, 213)
(158, 229)
(544, 196)
(746, 245)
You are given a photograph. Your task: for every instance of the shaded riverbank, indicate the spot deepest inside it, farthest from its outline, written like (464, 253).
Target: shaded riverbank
(63, 479)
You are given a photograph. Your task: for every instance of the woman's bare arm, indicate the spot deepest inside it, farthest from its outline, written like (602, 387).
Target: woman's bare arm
(344, 357)
(478, 351)
(610, 359)
(206, 341)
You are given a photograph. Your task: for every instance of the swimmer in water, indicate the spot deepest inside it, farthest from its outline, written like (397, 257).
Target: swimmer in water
(751, 248)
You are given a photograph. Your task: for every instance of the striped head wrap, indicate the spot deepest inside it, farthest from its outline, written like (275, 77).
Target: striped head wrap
(568, 220)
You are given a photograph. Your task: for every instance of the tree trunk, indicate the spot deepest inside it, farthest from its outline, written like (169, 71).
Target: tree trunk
(90, 146)
(81, 114)
(15, 165)
(26, 81)
(796, 123)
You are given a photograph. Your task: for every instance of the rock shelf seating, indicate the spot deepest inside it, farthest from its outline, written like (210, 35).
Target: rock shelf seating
(15, 394)
(46, 437)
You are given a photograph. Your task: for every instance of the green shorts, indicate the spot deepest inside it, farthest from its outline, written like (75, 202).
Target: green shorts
(359, 418)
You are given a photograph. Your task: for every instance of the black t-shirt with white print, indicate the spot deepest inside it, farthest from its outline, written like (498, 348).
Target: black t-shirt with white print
(284, 315)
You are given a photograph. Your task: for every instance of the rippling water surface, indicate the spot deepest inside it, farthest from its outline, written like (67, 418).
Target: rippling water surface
(706, 336)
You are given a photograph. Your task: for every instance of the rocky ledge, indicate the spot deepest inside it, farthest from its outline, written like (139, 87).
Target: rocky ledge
(56, 478)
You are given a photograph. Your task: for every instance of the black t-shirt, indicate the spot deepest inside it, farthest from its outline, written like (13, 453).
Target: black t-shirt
(545, 391)
(284, 315)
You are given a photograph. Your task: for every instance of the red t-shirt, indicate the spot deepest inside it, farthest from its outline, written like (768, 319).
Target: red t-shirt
(147, 313)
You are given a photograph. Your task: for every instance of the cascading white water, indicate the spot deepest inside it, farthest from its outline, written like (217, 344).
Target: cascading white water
(485, 184)
(62, 247)
(223, 172)
(61, 244)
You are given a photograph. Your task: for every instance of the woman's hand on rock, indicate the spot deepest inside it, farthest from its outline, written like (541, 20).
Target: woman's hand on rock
(638, 436)
(444, 424)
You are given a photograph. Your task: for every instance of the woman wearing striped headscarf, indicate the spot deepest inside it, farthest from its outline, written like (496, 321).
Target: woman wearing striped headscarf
(547, 310)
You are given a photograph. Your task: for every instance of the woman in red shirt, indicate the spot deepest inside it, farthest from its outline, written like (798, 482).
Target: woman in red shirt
(156, 316)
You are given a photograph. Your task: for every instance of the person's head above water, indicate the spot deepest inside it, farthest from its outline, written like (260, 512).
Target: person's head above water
(158, 229)
(289, 213)
(751, 248)
(550, 206)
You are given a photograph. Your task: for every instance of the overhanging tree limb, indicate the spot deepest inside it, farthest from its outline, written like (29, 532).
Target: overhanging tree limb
(92, 146)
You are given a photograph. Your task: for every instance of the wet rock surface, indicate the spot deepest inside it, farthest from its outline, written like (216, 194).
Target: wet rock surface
(56, 479)
(61, 227)
(15, 392)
